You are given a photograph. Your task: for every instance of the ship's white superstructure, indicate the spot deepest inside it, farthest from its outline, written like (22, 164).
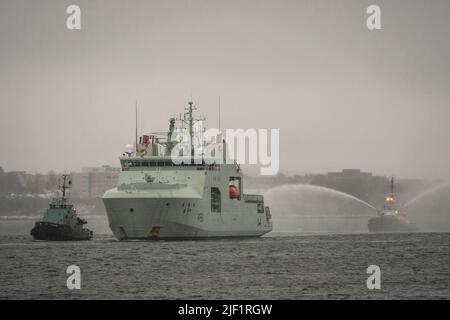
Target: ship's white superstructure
(162, 197)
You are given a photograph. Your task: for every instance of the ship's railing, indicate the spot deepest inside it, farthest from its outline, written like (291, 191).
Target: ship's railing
(59, 203)
(146, 163)
(254, 198)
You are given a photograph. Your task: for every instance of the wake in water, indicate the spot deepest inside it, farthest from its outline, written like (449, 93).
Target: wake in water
(22, 217)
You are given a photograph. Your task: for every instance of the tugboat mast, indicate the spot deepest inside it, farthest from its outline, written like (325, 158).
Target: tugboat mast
(64, 186)
(392, 187)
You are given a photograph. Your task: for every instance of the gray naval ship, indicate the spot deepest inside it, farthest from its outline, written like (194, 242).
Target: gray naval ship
(60, 222)
(391, 218)
(159, 198)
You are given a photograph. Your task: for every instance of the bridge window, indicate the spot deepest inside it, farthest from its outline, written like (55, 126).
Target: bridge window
(260, 207)
(215, 200)
(126, 164)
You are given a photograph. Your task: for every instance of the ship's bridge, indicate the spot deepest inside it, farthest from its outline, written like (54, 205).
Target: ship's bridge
(158, 163)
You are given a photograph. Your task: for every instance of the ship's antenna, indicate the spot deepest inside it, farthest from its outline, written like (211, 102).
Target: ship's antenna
(136, 127)
(392, 186)
(59, 186)
(220, 128)
(224, 145)
(64, 186)
(191, 129)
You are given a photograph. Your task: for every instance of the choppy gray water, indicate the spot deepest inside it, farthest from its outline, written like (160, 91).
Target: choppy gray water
(278, 266)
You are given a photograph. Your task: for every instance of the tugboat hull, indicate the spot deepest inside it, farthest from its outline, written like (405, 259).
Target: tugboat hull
(58, 232)
(387, 224)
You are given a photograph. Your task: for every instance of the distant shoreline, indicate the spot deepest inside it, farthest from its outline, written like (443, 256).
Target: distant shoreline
(30, 207)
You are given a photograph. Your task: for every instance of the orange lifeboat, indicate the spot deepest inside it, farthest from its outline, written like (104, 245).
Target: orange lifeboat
(234, 191)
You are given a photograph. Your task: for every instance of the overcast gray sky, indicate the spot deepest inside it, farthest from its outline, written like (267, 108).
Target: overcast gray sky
(341, 95)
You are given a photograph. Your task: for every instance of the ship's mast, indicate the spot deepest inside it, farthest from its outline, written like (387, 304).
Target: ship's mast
(220, 128)
(64, 187)
(188, 121)
(191, 129)
(170, 143)
(136, 137)
(392, 187)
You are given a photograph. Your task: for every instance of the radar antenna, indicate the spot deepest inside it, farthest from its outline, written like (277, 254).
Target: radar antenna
(189, 121)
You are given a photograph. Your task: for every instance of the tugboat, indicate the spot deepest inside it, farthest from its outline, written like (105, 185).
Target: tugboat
(391, 219)
(60, 222)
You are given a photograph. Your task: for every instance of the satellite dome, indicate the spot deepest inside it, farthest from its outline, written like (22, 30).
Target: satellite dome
(129, 147)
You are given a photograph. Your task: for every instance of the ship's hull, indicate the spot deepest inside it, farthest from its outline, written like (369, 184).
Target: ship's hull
(390, 224)
(58, 232)
(179, 219)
